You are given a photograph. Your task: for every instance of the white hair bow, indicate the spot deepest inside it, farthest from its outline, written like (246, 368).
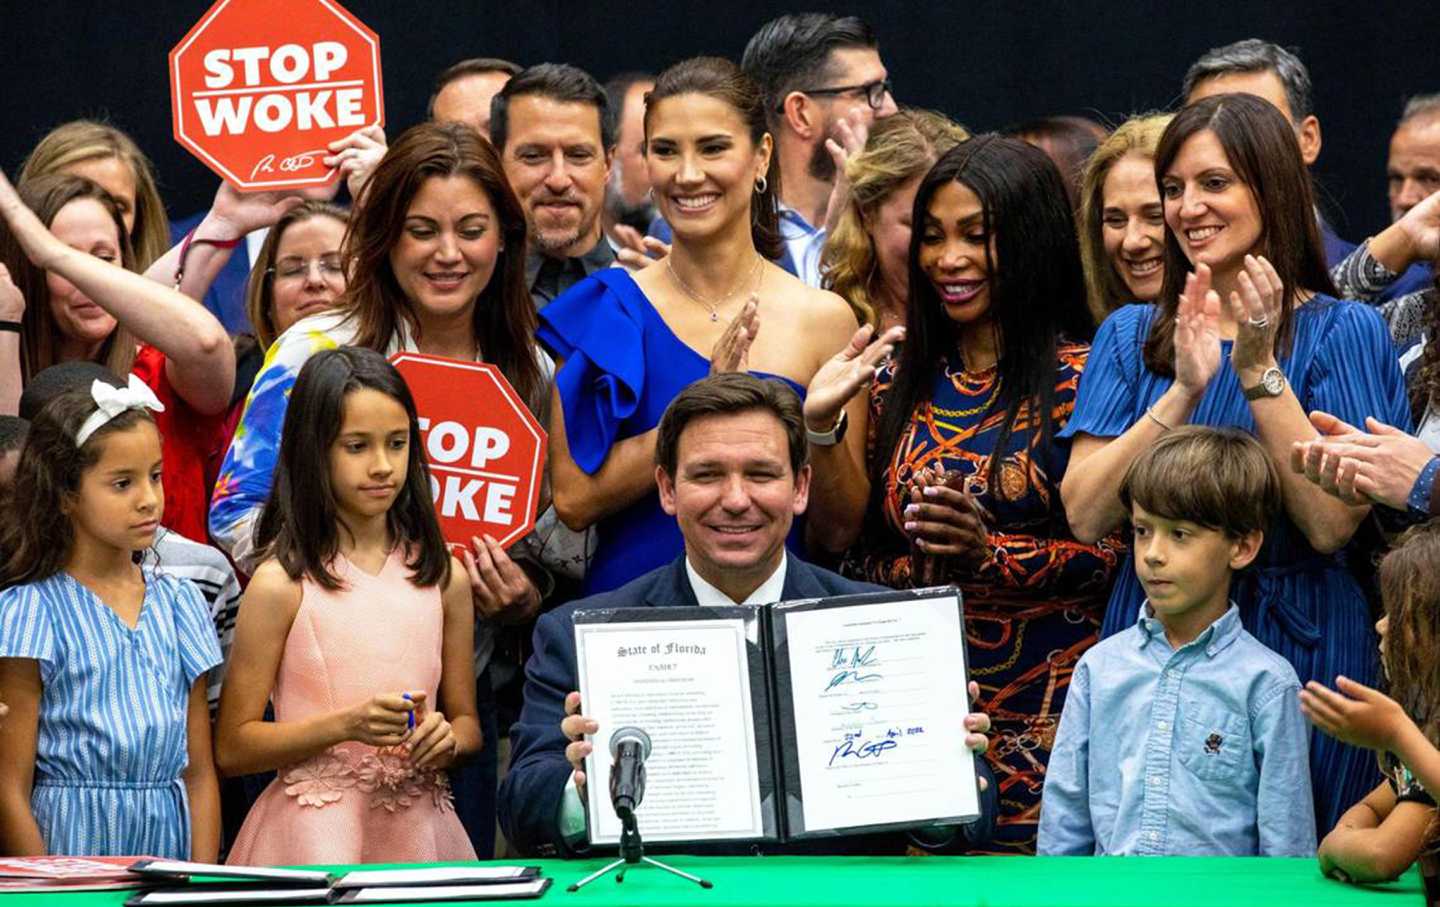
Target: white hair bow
(111, 401)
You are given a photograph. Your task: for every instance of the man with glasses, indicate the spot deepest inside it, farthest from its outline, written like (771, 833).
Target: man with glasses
(822, 79)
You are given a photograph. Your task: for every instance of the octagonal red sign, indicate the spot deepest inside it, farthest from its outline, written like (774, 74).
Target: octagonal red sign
(485, 450)
(259, 88)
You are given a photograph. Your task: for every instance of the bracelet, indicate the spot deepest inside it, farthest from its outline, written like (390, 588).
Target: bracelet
(1150, 414)
(830, 438)
(14, 326)
(191, 239)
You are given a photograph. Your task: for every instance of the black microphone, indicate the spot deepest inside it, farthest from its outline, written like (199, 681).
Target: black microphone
(630, 747)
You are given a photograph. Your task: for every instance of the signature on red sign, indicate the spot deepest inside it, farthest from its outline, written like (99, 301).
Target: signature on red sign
(288, 165)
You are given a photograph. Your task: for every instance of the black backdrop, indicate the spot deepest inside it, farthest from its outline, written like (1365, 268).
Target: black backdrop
(985, 63)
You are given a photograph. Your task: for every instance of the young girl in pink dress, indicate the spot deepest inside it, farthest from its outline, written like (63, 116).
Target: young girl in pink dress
(359, 623)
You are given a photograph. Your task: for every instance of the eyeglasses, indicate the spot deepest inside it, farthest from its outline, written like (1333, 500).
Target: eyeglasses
(299, 268)
(875, 92)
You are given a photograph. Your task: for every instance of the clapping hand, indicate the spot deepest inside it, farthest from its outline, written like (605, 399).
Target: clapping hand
(944, 520)
(1256, 308)
(845, 374)
(1197, 332)
(732, 351)
(1358, 467)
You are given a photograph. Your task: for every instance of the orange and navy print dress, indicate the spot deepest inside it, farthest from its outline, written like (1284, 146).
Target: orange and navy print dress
(1034, 605)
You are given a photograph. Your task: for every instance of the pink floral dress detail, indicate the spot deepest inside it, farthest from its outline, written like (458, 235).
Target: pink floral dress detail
(355, 803)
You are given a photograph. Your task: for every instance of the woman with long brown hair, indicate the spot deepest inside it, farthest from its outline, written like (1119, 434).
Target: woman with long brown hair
(1245, 282)
(717, 303)
(435, 263)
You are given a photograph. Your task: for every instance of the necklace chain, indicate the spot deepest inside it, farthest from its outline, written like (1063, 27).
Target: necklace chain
(714, 308)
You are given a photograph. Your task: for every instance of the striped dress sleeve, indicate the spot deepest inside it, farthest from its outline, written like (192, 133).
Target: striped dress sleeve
(1107, 399)
(1356, 373)
(26, 628)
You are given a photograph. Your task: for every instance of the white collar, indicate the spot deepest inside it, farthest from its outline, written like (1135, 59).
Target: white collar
(768, 592)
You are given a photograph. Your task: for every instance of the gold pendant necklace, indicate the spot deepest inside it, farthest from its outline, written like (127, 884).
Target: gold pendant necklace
(713, 308)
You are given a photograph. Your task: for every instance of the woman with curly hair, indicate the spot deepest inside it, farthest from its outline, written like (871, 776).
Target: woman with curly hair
(864, 260)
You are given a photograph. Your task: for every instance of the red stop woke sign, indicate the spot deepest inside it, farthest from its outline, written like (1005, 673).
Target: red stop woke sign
(485, 449)
(259, 88)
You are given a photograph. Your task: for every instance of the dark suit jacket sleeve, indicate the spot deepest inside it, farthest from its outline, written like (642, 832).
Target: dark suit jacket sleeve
(529, 800)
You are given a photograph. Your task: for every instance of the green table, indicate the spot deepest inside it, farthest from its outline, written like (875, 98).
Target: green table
(939, 881)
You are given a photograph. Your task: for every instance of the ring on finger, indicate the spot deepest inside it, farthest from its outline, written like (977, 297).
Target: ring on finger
(1259, 322)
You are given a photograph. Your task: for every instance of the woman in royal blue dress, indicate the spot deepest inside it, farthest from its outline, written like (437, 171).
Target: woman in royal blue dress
(626, 345)
(1246, 333)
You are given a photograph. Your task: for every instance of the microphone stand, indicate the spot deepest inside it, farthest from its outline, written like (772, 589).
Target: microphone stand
(632, 853)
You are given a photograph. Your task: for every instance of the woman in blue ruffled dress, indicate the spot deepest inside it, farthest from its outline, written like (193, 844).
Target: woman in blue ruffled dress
(1246, 333)
(626, 345)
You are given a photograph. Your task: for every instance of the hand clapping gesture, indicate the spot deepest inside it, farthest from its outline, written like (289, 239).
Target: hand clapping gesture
(1377, 466)
(732, 351)
(1256, 308)
(1197, 333)
(845, 374)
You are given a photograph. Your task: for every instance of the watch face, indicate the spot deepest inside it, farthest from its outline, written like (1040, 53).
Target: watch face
(1273, 381)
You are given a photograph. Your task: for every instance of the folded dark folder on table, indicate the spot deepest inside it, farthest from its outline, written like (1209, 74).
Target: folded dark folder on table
(263, 885)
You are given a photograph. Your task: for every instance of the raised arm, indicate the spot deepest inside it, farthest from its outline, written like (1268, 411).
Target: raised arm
(1090, 489)
(1280, 421)
(153, 312)
(12, 312)
(841, 486)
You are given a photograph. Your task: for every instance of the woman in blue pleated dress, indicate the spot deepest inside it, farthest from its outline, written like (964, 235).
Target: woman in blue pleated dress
(1246, 333)
(626, 345)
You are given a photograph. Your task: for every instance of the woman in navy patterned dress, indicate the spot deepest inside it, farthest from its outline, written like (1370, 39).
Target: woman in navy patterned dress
(996, 326)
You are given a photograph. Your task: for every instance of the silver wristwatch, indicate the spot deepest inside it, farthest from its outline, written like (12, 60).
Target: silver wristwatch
(1272, 384)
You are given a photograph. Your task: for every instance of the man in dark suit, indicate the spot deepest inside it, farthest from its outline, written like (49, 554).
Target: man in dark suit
(731, 468)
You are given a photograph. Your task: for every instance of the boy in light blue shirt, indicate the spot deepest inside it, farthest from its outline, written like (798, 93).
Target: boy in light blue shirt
(1183, 735)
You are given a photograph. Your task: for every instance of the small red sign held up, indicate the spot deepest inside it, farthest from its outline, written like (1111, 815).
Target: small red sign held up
(485, 449)
(259, 88)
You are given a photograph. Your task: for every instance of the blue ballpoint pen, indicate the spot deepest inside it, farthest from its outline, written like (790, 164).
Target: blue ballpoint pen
(409, 716)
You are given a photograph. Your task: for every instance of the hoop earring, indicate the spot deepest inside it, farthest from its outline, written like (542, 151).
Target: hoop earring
(761, 185)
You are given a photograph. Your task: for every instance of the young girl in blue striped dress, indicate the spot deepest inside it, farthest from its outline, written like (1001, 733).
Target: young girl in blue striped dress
(106, 750)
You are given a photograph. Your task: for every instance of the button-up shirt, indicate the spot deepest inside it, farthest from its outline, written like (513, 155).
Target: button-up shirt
(1195, 751)
(803, 244)
(548, 277)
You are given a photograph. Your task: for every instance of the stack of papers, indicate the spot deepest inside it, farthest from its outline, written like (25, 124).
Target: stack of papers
(259, 885)
(21, 874)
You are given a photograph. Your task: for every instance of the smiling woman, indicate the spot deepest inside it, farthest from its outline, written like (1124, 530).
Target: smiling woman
(718, 303)
(1240, 219)
(961, 476)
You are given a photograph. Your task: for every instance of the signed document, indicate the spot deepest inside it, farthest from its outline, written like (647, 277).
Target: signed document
(875, 693)
(687, 683)
(802, 719)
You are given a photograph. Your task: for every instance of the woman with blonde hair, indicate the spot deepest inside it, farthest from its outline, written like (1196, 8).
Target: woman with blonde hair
(865, 257)
(1122, 221)
(105, 155)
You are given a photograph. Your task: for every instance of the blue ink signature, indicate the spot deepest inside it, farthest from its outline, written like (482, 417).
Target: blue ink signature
(853, 658)
(853, 748)
(850, 676)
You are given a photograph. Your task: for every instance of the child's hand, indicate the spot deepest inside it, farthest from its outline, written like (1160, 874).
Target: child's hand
(433, 744)
(1357, 714)
(384, 720)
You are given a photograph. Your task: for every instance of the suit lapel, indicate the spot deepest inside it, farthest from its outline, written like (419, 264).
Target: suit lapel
(672, 587)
